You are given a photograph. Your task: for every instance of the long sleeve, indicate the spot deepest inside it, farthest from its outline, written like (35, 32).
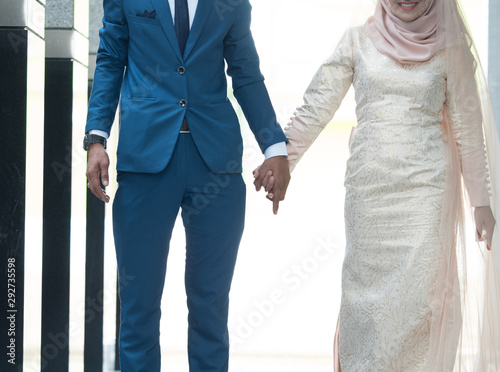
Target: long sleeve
(112, 57)
(321, 100)
(464, 111)
(248, 82)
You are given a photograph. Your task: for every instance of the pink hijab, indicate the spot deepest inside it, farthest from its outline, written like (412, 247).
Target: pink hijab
(406, 42)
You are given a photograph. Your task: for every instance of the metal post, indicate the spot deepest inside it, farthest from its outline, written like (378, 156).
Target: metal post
(21, 160)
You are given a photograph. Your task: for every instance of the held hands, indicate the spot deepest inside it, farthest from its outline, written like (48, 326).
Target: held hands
(485, 224)
(273, 175)
(98, 163)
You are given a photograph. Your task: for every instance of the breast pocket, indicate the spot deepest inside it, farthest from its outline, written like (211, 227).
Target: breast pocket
(144, 32)
(142, 20)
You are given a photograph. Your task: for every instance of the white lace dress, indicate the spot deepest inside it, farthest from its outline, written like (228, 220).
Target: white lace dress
(395, 182)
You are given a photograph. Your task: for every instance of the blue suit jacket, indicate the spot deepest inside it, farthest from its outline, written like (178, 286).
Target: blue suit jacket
(139, 58)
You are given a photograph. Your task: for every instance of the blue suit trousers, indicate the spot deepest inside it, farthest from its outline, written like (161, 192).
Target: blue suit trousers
(144, 212)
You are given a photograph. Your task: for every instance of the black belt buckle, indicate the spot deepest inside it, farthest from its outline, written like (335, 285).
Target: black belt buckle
(184, 126)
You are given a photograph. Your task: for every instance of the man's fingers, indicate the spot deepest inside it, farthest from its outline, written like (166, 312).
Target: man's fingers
(94, 190)
(95, 187)
(97, 165)
(101, 194)
(104, 176)
(277, 197)
(276, 205)
(94, 181)
(274, 176)
(97, 191)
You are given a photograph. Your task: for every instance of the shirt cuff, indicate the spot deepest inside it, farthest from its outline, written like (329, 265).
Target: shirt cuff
(278, 149)
(99, 133)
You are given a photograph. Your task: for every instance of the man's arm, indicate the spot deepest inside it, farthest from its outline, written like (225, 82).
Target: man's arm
(110, 64)
(112, 57)
(251, 93)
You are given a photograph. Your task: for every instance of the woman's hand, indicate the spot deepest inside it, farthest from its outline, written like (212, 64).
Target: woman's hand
(485, 224)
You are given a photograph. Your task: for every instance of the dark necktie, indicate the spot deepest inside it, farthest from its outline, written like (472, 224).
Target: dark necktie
(181, 23)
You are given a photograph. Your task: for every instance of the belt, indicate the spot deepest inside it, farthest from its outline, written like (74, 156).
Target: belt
(184, 126)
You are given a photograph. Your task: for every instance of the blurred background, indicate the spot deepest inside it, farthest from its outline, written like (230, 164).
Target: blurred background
(286, 290)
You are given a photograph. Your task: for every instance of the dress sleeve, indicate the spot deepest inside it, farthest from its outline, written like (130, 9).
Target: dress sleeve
(463, 107)
(321, 100)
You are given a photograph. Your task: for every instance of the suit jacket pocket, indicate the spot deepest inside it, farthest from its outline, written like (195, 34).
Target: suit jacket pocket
(138, 98)
(143, 20)
(217, 101)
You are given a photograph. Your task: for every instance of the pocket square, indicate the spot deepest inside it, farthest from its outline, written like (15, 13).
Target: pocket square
(147, 14)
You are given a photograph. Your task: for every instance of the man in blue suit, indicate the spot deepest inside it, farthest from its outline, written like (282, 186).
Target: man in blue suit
(179, 147)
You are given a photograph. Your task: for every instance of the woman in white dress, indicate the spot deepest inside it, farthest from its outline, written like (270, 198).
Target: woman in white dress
(415, 296)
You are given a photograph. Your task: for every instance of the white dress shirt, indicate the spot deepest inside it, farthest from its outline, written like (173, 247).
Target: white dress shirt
(278, 149)
(192, 5)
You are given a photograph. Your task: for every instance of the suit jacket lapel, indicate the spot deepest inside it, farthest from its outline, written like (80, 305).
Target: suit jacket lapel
(202, 12)
(166, 21)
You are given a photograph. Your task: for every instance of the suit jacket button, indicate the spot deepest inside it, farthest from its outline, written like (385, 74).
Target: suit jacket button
(183, 103)
(181, 70)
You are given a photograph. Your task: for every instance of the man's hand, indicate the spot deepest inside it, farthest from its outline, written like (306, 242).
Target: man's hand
(485, 224)
(274, 176)
(98, 163)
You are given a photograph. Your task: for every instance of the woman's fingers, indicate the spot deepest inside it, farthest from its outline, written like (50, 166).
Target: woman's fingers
(266, 179)
(485, 235)
(485, 225)
(489, 234)
(270, 184)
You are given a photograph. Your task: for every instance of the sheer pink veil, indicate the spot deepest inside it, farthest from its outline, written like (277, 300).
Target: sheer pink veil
(465, 330)
(465, 321)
